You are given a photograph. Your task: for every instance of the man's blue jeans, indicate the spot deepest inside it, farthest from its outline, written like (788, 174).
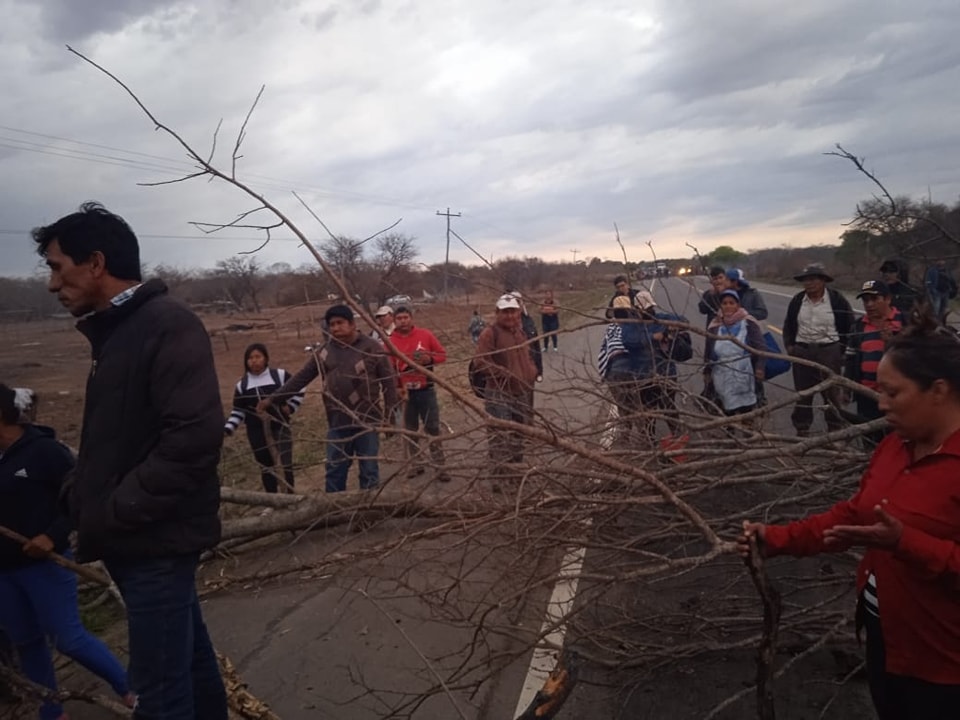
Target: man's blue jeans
(38, 604)
(345, 443)
(173, 668)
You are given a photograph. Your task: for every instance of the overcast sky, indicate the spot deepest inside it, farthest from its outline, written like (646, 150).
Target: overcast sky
(543, 123)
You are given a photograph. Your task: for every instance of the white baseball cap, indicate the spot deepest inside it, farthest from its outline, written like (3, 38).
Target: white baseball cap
(645, 300)
(383, 310)
(505, 302)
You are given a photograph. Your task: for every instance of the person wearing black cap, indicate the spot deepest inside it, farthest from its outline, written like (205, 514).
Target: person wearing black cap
(867, 343)
(356, 374)
(818, 322)
(902, 296)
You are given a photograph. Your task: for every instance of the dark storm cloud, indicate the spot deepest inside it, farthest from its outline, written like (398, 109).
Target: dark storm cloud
(679, 119)
(72, 21)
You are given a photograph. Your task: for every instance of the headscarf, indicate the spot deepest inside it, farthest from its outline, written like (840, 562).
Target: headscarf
(733, 318)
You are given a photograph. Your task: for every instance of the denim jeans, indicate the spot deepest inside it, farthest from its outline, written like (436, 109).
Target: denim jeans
(38, 602)
(173, 668)
(346, 443)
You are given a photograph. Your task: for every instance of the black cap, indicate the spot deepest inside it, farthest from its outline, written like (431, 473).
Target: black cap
(874, 287)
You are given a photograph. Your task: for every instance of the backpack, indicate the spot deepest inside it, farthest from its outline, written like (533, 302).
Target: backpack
(680, 342)
(478, 381)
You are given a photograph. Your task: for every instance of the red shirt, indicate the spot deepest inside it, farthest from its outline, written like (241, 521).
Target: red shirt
(918, 583)
(427, 343)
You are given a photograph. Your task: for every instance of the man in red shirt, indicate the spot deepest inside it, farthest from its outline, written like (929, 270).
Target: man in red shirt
(421, 346)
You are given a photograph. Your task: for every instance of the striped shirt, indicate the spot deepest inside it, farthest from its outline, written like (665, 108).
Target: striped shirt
(610, 347)
(251, 390)
(872, 345)
(871, 602)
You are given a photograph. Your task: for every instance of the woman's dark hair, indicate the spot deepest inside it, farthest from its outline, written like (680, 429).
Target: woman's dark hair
(925, 351)
(94, 229)
(9, 412)
(252, 348)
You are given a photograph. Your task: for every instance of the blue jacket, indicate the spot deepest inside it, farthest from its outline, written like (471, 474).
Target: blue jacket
(32, 471)
(647, 356)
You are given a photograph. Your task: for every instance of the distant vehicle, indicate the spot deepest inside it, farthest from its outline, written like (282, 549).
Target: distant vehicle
(399, 300)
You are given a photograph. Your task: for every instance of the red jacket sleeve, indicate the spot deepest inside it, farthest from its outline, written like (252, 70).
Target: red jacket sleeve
(932, 557)
(805, 537)
(438, 353)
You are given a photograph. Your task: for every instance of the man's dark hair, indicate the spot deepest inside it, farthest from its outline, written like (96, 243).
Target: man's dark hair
(402, 309)
(717, 270)
(94, 229)
(619, 279)
(9, 411)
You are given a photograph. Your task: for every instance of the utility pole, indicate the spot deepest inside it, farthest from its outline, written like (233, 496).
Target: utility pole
(446, 262)
(575, 251)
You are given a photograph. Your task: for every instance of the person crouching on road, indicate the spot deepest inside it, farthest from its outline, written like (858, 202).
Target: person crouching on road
(38, 598)
(816, 328)
(259, 381)
(868, 341)
(733, 370)
(906, 517)
(503, 357)
(421, 346)
(356, 374)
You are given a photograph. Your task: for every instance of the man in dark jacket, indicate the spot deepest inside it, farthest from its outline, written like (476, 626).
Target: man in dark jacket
(622, 286)
(902, 296)
(710, 301)
(817, 326)
(750, 298)
(145, 491)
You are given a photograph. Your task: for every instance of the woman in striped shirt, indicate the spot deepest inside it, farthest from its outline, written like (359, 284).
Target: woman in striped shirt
(906, 515)
(259, 381)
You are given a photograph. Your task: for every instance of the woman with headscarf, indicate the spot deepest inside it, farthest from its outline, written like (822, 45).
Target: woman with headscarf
(732, 369)
(38, 598)
(268, 435)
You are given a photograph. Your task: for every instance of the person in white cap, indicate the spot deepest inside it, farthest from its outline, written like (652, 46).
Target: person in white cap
(503, 358)
(654, 348)
(384, 318)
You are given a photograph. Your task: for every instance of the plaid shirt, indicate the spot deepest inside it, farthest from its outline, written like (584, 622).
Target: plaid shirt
(120, 298)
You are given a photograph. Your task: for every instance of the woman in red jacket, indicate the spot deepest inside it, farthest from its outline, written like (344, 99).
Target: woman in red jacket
(906, 515)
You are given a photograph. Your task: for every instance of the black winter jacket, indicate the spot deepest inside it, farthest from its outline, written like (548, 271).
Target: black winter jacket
(843, 317)
(146, 481)
(32, 471)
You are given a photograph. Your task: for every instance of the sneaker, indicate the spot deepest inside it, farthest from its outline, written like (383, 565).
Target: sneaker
(556, 350)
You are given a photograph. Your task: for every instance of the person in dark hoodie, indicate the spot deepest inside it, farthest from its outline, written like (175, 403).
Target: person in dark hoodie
(145, 493)
(38, 598)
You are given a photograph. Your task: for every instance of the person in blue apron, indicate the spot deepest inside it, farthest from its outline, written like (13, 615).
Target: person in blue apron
(732, 369)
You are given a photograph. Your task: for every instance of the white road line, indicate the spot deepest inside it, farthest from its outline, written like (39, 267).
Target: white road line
(554, 629)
